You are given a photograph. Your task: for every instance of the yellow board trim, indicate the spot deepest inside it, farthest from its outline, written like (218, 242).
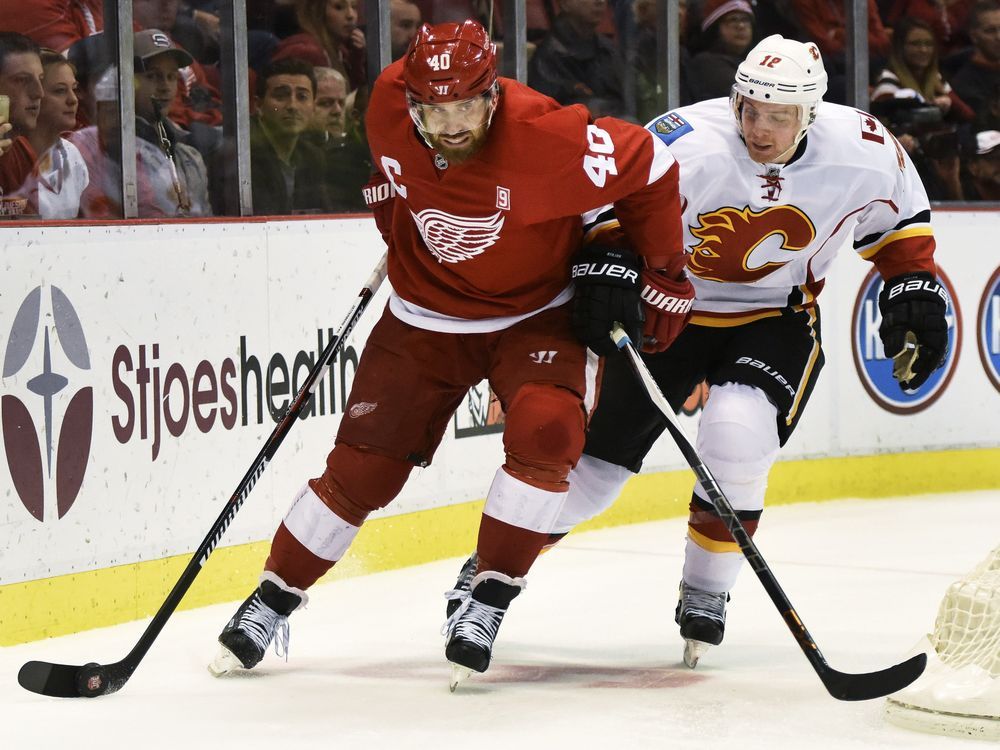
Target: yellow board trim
(98, 598)
(712, 545)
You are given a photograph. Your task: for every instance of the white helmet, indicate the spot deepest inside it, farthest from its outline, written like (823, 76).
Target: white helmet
(782, 71)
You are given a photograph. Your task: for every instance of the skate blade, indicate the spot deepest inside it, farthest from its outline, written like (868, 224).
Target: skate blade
(459, 674)
(224, 662)
(693, 651)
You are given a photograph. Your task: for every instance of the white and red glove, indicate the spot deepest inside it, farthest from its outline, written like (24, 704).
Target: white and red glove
(668, 307)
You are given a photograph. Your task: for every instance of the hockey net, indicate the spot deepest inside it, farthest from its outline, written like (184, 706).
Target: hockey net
(959, 692)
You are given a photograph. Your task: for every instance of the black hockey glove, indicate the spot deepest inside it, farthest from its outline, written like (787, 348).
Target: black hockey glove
(913, 331)
(607, 291)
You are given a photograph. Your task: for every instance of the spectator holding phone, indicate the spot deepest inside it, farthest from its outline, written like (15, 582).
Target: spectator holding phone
(21, 83)
(5, 126)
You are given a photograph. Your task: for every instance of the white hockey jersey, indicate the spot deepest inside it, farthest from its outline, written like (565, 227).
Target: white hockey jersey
(762, 237)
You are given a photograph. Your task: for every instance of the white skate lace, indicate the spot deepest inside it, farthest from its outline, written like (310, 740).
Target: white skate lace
(473, 621)
(464, 597)
(261, 623)
(698, 603)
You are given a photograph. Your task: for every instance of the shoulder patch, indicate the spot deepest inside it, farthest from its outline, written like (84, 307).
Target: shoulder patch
(670, 127)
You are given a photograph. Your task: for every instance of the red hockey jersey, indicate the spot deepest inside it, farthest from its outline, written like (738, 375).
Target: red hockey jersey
(489, 241)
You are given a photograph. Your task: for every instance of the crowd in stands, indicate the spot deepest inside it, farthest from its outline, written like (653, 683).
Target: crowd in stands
(935, 82)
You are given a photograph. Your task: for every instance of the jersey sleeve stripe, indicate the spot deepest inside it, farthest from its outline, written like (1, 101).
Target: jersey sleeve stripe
(919, 231)
(921, 217)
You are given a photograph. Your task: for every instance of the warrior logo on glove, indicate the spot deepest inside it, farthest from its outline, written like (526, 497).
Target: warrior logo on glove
(612, 287)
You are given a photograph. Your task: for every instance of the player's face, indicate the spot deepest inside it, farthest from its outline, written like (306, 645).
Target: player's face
(456, 130)
(769, 130)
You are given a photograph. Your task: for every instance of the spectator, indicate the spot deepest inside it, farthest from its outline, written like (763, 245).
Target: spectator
(61, 173)
(330, 110)
(90, 57)
(288, 173)
(978, 78)
(171, 176)
(404, 20)
(20, 80)
(158, 62)
(346, 159)
(824, 21)
(643, 59)
(330, 38)
(55, 24)
(913, 71)
(181, 27)
(988, 118)
(983, 165)
(727, 35)
(575, 65)
(198, 98)
(946, 18)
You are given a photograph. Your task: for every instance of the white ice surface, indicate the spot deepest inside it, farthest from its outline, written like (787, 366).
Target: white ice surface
(588, 657)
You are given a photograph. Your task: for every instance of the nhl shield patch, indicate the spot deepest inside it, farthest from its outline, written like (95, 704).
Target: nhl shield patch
(670, 127)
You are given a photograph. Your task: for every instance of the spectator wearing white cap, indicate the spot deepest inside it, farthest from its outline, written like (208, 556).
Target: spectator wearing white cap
(983, 167)
(727, 32)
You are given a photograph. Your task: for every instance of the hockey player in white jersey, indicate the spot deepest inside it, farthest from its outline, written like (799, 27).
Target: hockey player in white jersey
(774, 182)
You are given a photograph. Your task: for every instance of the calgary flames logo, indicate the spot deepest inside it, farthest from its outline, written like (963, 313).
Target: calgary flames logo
(742, 245)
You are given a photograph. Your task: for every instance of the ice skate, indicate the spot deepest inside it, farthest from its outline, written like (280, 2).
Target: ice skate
(702, 617)
(465, 576)
(472, 628)
(261, 619)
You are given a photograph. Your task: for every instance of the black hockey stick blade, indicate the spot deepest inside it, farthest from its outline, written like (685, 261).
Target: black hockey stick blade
(67, 681)
(92, 680)
(842, 686)
(863, 687)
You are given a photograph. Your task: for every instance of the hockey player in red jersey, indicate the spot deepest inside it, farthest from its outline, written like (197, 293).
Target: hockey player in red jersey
(481, 197)
(774, 183)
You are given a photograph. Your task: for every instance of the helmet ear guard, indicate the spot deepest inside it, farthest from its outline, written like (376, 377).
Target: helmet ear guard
(782, 71)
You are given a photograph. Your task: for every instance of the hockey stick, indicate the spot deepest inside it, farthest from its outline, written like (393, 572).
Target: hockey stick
(841, 685)
(91, 680)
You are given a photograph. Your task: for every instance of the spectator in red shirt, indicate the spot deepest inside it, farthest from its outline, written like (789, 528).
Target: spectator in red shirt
(20, 80)
(947, 19)
(56, 24)
(824, 22)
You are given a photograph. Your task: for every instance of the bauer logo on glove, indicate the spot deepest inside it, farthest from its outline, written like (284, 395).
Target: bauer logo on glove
(914, 330)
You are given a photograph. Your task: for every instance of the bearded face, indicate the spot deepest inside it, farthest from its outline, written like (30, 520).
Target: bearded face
(456, 130)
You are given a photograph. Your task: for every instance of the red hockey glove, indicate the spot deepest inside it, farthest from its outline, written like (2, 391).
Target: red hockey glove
(379, 194)
(668, 308)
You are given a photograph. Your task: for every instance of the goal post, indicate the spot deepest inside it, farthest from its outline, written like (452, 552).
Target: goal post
(959, 692)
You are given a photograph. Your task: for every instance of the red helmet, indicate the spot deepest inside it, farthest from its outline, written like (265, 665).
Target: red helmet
(449, 62)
